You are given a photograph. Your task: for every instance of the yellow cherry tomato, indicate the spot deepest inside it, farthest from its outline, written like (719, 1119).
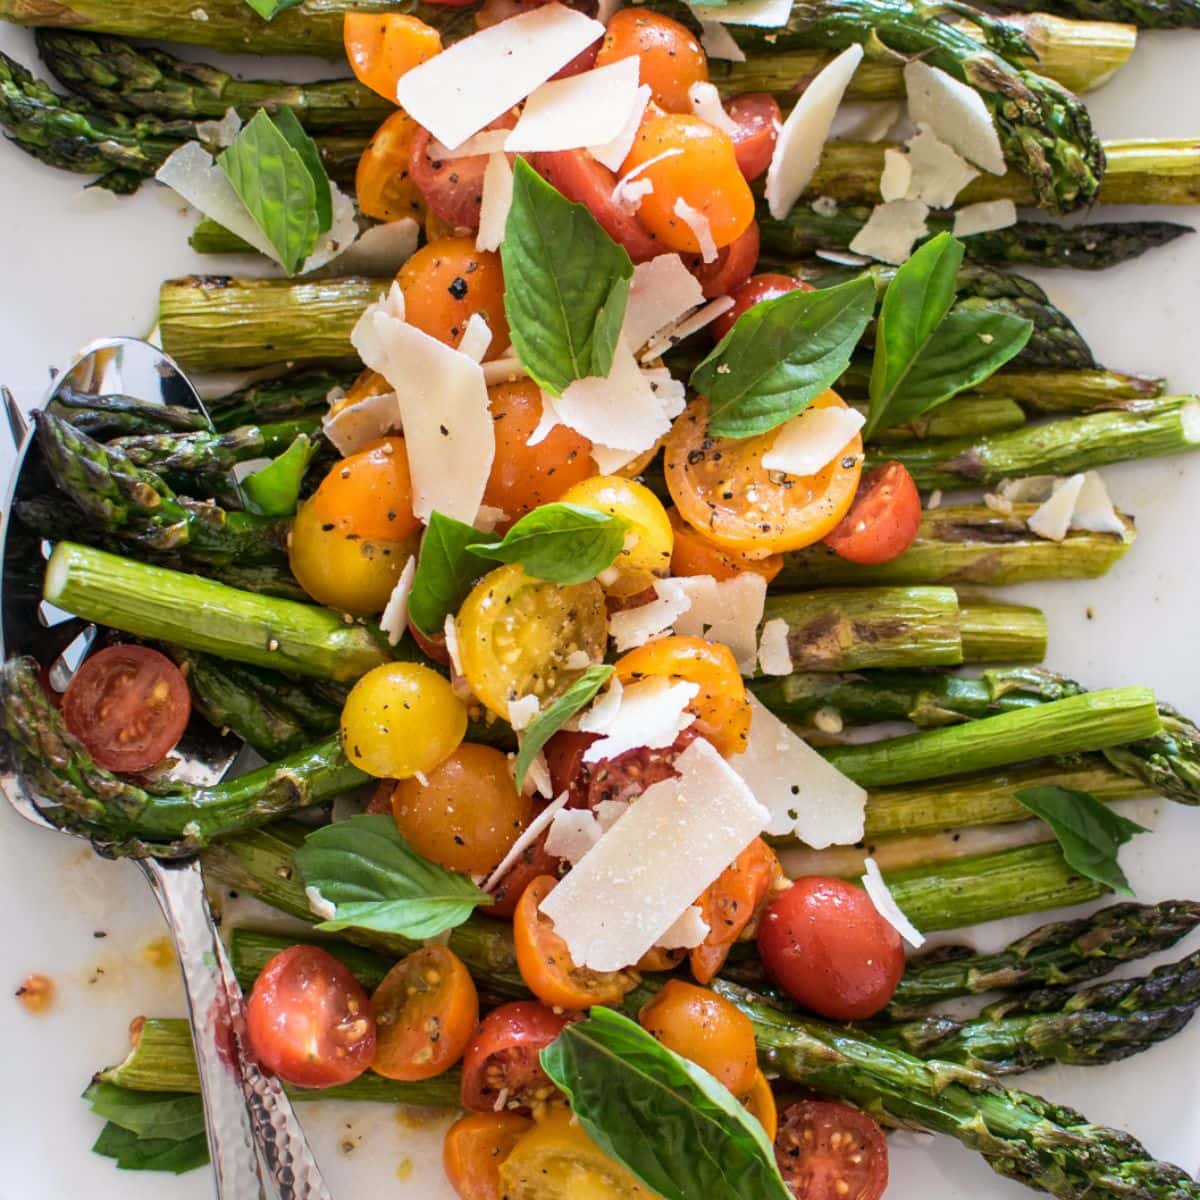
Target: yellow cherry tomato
(382, 183)
(383, 46)
(760, 1103)
(369, 494)
(474, 1150)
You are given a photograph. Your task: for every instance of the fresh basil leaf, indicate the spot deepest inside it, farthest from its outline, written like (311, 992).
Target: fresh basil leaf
(566, 284)
(565, 543)
(446, 572)
(375, 880)
(297, 136)
(561, 710)
(271, 180)
(780, 355)
(1089, 832)
(270, 9)
(172, 1116)
(661, 1117)
(273, 490)
(924, 354)
(134, 1153)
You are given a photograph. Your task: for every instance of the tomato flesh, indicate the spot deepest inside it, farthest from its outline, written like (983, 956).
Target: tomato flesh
(535, 860)
(503, 1057)
(830, 1151)
(883, 520)
(451, 187)
(128, 705)
(732, 267)
(382, 183)
(756, 289)
(758, 117)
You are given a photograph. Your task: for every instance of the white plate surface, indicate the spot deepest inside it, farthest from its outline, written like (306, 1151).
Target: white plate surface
(79, 265)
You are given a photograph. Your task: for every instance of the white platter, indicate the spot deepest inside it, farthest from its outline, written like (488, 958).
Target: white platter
(78, 265)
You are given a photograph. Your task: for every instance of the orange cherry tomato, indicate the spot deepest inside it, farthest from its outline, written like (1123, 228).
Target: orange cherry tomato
(383, 46)
(694, 554)
(669, 54)
(883, 520)
(756, 289)
(760, 1103)
(721, 707)
(368, 383)
(721, 487)
(701, 171)
(369, 494)
(732, 266)
(382, 183)
(426, 1010)
(474, 1148)
(731, 903)
(524, 476)
(545, 962)
(758, 117)
(705, 1029)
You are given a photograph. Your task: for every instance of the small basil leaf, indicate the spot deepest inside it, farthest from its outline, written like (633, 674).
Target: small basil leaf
(375, 880)
(566, 284)
(1089, 832)
(172, 1116)
(134, 1153)
(782, 354)
(273, 183)
(273, 490)
(547, 723)
(446, 572)
(270, 9)
(289, 125)
(661, 1117)
(564, 543)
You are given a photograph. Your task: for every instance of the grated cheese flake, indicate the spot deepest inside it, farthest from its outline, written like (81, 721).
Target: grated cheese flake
(956, 113)
(706, 104)
(629, 190)
(476, 338)
(891, 230)
(885, 904)
(727, 611)
(633, 627)
(1052, 519)
(938, 172)
(588, 109)
(661, 292)
(812, 440)
(897, 175)
(357, 425)
(613, 153)
(1094, 509)
(672, 335)
(719, 43)
(495, 202)
(486, 141)
(394, 621)
(531, 834)
(766, 14)
(697, 222)
(687, 932)
(573, 832)
(522, 711)
(651, 713)
(774, 656)
(380, 250)
(984, 217)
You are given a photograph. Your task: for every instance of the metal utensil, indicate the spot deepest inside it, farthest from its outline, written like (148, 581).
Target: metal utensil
(247, 1113)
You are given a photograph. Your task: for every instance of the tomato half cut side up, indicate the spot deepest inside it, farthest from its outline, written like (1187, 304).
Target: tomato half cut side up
(883, 520)
(830, 1151)
(128, 705)
(502, 1057)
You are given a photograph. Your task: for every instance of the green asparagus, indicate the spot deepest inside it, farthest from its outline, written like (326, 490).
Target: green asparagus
(967, 417)
(1146, 14)
(203, 451)
(103, 417)
(1001, 633)
(284, 399)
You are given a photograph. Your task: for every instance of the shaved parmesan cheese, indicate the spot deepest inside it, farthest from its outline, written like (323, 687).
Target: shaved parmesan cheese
(394, 621)
(634, 627)
(727, 611)
(766, 14)
(319, 906)
(548, 420)
(805, 132)
(891, 230)
(661, 292)
(573, 832)
(897, 175)
(813, 440)
(613, 153)
(476, 338)
(1031, 489)
(495, 202)
(706, 104)
(803, 794)
(505, 369)
(1094, 510)
(886, 906)
(600, 716)
(450, 630)
(998, 504)
(938, 173)
(589, 109)
(220, 133)
(956, 113)
(687, 932)
(531, 834)
(984, 217)
(719, 43)
(523, 710)
(865, 120)
(843, 259)
(697, 222)
(774, 656)
(609, 812)
(381, 250)
(486, 141)
(488, 517)
(628, 191)
(469, 84)
(651, 713)
(357, 425)
(609, 461)
(670, 845)
(537, 778)
(1053, 518)
(672, 335)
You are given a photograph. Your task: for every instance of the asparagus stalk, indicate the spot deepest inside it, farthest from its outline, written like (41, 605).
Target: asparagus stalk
(1146, 14)
(283, 399)
(103, 417)
(204, 451)
(956, 418)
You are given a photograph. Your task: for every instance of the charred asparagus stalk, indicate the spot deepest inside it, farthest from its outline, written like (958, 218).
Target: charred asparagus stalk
(205, 451)
(1146, 14)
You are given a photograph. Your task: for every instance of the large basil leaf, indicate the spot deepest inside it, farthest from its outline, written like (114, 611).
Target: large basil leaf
(780, 355)
(1089, 832)
(446, 572)
(149, 1131)
(375, 880)
(133, 1152)
(566, 284)
(549, 722)
(565, 543)
(661, 1117)
(270, 9)
(297, 136)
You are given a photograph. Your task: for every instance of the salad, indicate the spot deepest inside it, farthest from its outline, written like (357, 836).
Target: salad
(635, 403)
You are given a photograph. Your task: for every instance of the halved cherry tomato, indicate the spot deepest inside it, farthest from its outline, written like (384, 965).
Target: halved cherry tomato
(446, 283)
(824, 942)
(128, 705)
(452, 187)
(524, 476)
(433, 647)
(699, 170)
(380, 804)
(706, 1029)
(731, 904)
(755, 290)
(694, 554)
(533, 861)
(721, 707)
(474, 1148)
(760, 1103)
(582, 179)
(369, 494)
(546, 965)
(883, 520)
(758, 118)
(721, 487)
(669, 55)
(658, 959)
(732, 267)
(309, 1021)
(426, 1010)
(367, 383)
(830, 1151)
(503, 1057)
(382, 183)
(383, 46)
(624, 777)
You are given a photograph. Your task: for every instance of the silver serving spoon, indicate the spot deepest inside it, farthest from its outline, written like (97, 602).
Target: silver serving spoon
(255, 1142)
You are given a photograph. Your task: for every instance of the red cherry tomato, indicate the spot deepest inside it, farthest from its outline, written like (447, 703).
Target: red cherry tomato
(758, 118)
(732, 266)
(533, 861)
(503, 1057)
(624, 777)
(826, 945)
(754, 291)
(581, 178)
(830, 1151)
(452, 187)
(432, 647)
(883, 520)
(308, 1020)
(128, 705)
